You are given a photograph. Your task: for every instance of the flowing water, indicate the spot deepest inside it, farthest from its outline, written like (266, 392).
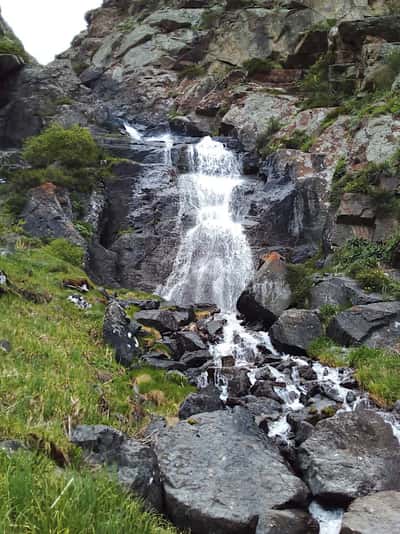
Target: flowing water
(213, 265)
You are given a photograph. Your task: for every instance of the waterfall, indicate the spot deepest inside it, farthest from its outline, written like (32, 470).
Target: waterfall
(214, 260)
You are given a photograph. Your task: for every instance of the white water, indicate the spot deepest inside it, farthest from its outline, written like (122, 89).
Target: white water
(165, 138)
(133, 133)
(214, 260)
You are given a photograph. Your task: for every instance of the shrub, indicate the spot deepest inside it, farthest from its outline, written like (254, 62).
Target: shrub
(66, 251)
(10, 45)
(299, 140)
(316, 87)
(328, 312)
(192, 72)
(71, 147)
(258, 65)
(300, 280)
(264, 138)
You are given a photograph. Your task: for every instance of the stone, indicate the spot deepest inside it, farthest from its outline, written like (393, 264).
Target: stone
(375, 325)
(164, 321)
(11, 445)
(196, 358)
(48, 214)
(340, 291)
(161, 361)
(349, 456)
(120, 332)
(205, 401)
(189, 342)
(268, 294)
(379, 512)
(5, 345)
(356, 209)
(223, 453)
(99, 440)
(295, 330)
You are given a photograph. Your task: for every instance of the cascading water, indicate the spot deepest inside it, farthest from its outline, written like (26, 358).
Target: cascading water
(214, 260)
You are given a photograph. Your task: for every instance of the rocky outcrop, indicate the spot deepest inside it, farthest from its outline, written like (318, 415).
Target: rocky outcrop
(349, 456)
(340, 291)
(375, 513)
(121, 333)
(375, 325)
(229, 447)
(48, 214)
(269, 294)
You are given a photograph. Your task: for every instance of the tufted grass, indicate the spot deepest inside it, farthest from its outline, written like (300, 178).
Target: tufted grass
(377, 370)
(37, 498)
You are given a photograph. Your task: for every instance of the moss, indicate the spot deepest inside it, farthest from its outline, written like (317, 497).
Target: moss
(9, 44)
(324, 350)
(299, 140)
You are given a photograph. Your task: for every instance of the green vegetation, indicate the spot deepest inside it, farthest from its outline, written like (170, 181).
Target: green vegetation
(315, 86)
(328, 312)
(37, 497)
(264, 141)
(300, 279)
(9, 44)
(298, 140)
(211, 17)
(192, 72)
(362, 260)
(258, 65)
(377, 370)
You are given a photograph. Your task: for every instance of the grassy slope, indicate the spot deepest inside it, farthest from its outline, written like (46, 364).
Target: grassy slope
(58, 374)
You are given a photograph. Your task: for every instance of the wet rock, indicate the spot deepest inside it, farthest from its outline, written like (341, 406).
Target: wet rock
(205, 401)
(340, 291)
(214, 328)
(307, 372)
(375, 325)
(264, 388)
(164, 321)
(48, 214)
(189, 342)
(263, 408)
(120, 332)
(142, 304)
(243, 468)
(196, 359)
(349, 456)
(287, 522)
(268, 295)
(379, 512)
(137, 467)
(161, 361)
(295, 330)
(239, 381)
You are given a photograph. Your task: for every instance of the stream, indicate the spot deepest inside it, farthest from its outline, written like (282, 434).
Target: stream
(214, 263)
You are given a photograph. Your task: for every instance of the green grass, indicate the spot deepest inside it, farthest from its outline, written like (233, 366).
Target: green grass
(59, 372)
(377, 371)
(35, 497)
(257, 65)
(10, 45)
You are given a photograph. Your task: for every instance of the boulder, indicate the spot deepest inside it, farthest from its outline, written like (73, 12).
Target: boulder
(196, 358)
(120, 332)
(269, 294)
(356, 209)
(161, 361)
(206, 400)
(349, 456)
(48, 214)
(375, 325)
(163, 320)
(136, 463)
(189, 342)
(295, 330)
(288, 522)
(5, 345)
(340, 291)
(221, 474)
(379, 512)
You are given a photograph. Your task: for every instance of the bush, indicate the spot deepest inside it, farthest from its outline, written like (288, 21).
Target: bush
(192, 72)
(300, 280)
(316, 87)
(263, 141)
(260, 65)
(66, 251)
(72, 147)
(299, 140)
(10, 45)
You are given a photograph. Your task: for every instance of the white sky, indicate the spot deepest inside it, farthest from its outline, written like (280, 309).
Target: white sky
(46, 27)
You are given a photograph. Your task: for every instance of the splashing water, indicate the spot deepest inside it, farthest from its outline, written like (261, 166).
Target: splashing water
(133, 133)
(214, 261)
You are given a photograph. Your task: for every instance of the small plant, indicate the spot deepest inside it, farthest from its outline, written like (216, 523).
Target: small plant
(64, 250)
(328, 312)
(258, 65)
(264, 138)
(300, 279)
(192, 72)
(10, 45)
(299, 140)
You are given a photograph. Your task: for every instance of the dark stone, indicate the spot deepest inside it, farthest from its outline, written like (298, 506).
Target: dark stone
(349, 456)
(374, 325)
(340, 291)
(265, 389)
(120, 332)
(164, 321)
(189, 342)
(295, 330)
(99, 440)
(207, 401)
(196, 359)
(11, 445)
(5, 345)
(242, 467)
(161, 361)
(101, 265)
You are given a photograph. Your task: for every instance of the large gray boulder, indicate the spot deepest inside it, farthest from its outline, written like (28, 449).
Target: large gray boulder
(268, 294)
(349, 456)
(375, 325)
(221, 474)
(375, 513)
(295, 330)
(340, 291)
(163, 320)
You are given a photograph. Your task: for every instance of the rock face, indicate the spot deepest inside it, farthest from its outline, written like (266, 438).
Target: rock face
(340, 291)
(295, 330)
(268, 295)
(48, 213)
(220, 474)
(375, 513)
(120, 332)
(349, 456)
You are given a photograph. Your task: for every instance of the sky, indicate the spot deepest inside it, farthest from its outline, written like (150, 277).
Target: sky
(46, 27)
